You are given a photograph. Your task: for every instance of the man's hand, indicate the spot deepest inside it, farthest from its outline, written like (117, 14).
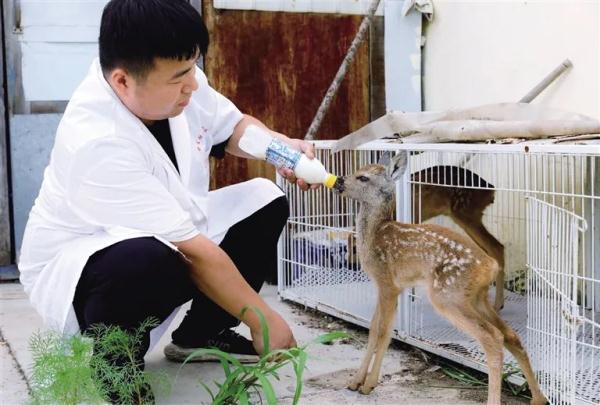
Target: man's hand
(298, 144)
(309, 150)
(280, 334)
(211, 269)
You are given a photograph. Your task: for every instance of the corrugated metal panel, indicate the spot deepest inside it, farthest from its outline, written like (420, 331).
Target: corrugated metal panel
(277, 67)
(52, 71)
(300, 6)
(61, 20)
(31, 140)
(58, 42)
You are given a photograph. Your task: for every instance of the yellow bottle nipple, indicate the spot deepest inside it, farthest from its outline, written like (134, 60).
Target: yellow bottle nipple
(330, 180)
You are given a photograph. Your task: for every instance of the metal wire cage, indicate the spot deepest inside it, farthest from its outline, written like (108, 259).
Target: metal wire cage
(545, 213)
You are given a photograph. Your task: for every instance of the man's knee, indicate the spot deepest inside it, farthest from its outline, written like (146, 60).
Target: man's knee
(281, 209)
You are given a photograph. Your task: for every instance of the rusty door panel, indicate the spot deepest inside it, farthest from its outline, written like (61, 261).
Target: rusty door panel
(277, 67)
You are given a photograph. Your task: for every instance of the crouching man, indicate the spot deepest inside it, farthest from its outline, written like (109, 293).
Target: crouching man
(124, 227)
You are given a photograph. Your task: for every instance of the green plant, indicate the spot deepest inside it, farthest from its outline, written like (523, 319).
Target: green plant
(241, 380)
(474, 381)
(98, 366)
(117, 366)
(61, 370)
(518, 282)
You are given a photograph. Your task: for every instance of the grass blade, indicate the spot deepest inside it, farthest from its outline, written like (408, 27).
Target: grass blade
(243, 397)
(216, 352)
(329, 337)
(299, 370)
(267, 389)
(212, 396)
(226, 368)
(277, 356)
(263, 326)
(229, 385)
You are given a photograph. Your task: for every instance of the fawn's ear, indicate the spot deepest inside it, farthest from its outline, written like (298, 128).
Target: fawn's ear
(385, 158)
(397, 166)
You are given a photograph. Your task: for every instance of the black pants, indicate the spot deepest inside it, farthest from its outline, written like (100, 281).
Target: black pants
(133, 280)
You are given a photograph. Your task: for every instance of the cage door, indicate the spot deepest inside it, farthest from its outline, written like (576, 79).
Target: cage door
(553, 315)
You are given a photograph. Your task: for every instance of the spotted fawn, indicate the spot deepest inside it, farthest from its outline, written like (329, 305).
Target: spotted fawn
(454, 270)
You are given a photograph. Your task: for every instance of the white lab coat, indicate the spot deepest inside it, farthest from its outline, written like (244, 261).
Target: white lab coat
(109, 180)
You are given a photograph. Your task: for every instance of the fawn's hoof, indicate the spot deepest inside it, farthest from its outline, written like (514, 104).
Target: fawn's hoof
(366, 389)
(354, 385)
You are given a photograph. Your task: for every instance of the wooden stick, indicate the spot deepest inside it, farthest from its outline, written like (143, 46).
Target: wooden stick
(577, 138)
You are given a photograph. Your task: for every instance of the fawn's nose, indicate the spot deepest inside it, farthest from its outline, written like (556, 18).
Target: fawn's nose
(339, 185)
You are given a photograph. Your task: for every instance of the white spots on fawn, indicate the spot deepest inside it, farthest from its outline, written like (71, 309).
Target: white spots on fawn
(404, 229)
(444, 259)
(381, 253)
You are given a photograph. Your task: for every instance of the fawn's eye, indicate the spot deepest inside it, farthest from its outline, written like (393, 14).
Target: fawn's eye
(362, 178)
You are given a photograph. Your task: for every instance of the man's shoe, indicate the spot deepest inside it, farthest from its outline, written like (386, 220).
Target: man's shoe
(227, 341)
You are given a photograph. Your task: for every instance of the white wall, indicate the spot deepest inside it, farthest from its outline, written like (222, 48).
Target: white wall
(491, 51)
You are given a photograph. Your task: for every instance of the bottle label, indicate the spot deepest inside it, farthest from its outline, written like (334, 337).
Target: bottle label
(281, 155)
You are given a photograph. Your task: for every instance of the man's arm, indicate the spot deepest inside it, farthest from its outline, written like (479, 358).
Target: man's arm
(216, 276)
(298, 144)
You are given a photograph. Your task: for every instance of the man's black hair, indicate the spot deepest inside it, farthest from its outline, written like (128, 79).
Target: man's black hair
(134, 32)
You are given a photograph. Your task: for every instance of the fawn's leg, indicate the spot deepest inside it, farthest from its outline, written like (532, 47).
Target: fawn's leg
(358, 378)
(513, 345)
(468, 320)
(388, 302)
(473, 226)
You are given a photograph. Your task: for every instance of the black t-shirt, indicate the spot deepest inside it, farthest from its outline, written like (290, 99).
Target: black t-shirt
(162, 133)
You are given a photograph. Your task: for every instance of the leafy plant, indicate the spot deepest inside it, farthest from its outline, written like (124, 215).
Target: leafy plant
(61, 372)
(94, 368)
(117, 368)
(243, 380)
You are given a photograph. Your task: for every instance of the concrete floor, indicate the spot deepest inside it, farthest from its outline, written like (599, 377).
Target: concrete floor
(406, 377)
